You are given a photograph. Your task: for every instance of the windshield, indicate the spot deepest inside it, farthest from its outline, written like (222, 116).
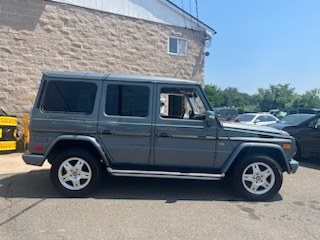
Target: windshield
(295, 119)
(245, 118)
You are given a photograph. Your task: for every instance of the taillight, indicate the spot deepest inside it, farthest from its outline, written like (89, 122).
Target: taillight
(38, 148)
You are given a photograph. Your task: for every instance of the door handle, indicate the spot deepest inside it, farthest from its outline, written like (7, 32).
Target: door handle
(163, 135)
(105, 132)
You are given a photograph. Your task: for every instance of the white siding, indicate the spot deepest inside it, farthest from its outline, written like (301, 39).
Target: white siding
(160, 11)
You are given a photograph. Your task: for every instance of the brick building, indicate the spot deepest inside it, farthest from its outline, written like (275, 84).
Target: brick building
(149, 37)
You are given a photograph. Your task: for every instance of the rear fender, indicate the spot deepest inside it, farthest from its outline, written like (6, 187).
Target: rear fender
(76, 138)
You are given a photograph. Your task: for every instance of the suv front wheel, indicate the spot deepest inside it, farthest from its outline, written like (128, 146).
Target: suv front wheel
(75, 172)
(258, 178)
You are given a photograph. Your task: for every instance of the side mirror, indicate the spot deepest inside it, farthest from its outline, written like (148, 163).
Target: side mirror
(210, 117)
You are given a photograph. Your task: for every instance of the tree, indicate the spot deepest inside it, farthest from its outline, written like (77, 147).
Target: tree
(311, 99)
(276, 96)
(214, 94)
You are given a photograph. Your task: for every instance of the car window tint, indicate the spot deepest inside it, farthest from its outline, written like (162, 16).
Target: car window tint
(262, 118)
(245, 118)
(75, 97)
(270, 118)
(127, 100)
(181, 103)
(295, 119)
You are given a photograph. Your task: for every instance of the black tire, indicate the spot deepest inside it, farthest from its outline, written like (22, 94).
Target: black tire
(270, 185)
(91, 167)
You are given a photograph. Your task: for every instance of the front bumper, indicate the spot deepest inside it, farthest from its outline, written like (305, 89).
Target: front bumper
(293, 164)
(33, 159)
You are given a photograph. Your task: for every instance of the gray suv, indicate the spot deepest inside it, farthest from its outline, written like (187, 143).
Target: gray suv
(127, 125)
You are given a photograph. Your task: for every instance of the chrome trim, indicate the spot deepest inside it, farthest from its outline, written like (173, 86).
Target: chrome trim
(263, 140)
(184, 136)
(211, 138)
(223, 138)
(163, 174)
(134, 134)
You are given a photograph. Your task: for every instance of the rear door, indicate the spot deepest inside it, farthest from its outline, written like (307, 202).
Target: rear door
(125, 122)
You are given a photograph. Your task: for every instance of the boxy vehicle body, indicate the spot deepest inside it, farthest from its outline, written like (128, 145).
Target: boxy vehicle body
(140, 126)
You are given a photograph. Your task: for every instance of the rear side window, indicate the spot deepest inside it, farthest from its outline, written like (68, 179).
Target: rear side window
(75, 97)
(127, 100)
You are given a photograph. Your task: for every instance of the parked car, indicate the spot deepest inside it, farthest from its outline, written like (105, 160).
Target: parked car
(226, 113)
(306, 130)
(304, 110)
(128, 125)
(278, 113)
(261, 119)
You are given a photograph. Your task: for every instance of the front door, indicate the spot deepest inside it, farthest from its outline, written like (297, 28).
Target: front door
(182, 137)
(125, 122)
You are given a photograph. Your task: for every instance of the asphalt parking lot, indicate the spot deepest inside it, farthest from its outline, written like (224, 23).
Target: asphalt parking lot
(132, 208)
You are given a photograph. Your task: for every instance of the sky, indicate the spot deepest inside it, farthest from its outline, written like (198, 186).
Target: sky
(261, 42)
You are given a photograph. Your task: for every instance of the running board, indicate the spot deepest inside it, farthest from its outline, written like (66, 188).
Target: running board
(162, 174)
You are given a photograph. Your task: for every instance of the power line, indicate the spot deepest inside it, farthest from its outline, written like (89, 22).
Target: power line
(197, 12)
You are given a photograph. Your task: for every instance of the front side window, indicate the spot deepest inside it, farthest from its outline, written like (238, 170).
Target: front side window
(75, 97)
(127, 100)
(178, 46)
(181, 104)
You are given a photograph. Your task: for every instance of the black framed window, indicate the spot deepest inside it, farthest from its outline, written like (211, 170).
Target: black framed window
(127, 100)
(75, 97)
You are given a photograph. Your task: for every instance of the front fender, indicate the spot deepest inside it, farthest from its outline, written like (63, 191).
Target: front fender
(256, 146)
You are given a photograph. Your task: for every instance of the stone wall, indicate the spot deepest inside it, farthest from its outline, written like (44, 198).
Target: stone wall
(37, 36)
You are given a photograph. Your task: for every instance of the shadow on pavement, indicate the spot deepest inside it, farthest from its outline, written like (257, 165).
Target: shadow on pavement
(36, 184)
(310, 163)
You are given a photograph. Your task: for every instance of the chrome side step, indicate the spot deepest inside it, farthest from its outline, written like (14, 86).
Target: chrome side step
(162, 174)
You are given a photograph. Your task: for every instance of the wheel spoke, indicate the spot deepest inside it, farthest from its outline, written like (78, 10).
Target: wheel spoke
(85, 175)
(79, 164)
(266, 173)
(265, 185)
(66, 177)
(248, 177)
(256, 168)
(76, 182)
(67, 166)
(254, 187)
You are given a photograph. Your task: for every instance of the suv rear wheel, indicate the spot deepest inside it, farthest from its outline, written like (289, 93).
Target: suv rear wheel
(75, 172)
(258, 178)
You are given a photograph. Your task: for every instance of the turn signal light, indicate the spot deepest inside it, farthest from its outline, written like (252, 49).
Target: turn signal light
(286, 146)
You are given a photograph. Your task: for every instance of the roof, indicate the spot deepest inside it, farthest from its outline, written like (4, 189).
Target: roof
(189, 15)
(161, 11)
(117, 77)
